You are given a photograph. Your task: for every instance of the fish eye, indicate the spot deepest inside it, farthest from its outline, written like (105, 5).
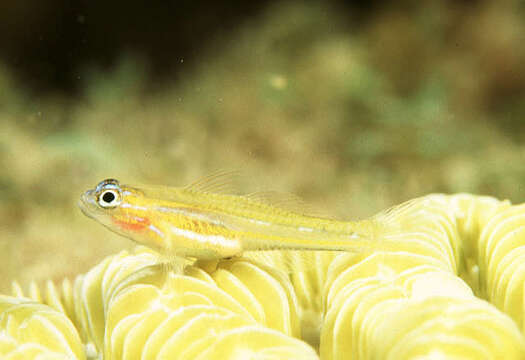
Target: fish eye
(109, 198)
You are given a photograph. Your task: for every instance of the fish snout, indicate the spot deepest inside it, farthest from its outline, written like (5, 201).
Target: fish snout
(87, 202)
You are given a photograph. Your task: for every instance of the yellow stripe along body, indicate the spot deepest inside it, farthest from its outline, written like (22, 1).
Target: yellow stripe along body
(188, 222)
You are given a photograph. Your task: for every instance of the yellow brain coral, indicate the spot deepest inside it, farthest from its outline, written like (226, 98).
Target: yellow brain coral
(451, 287)
(29, 330)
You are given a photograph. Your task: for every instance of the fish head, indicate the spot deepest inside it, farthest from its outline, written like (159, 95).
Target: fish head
(118, 207)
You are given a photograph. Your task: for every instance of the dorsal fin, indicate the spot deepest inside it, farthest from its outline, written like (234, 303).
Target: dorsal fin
(221, 181)
(226, 182)
(287, 201)
(393, 214)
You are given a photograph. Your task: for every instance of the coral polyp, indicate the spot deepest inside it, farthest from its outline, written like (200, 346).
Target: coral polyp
(451, 288)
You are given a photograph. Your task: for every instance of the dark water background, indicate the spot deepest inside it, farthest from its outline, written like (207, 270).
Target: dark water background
(353, 106)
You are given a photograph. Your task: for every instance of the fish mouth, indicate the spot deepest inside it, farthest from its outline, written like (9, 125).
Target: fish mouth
(86, 203)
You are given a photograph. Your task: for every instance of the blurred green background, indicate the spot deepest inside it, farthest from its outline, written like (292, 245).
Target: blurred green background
(353, 106)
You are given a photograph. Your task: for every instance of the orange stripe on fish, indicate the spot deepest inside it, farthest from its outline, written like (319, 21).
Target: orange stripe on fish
(132, 223)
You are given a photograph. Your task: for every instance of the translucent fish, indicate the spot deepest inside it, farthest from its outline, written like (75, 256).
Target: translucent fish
(201, 222)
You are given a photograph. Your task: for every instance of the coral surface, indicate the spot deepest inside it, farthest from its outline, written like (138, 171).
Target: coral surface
(451, 287)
